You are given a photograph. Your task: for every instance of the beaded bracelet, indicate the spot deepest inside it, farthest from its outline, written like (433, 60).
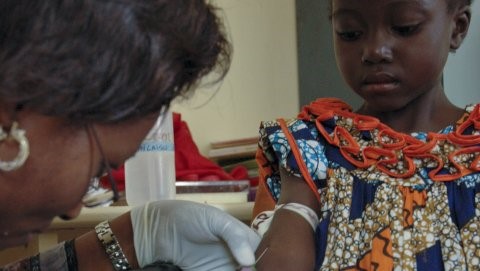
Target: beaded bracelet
(111, 246)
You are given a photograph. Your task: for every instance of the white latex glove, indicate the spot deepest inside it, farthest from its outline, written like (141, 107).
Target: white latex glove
(191, 235)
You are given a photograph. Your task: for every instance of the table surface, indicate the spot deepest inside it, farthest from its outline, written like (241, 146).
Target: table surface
(89, 217)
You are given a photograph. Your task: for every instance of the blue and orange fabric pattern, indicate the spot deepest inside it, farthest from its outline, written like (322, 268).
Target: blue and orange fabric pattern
(390, 201)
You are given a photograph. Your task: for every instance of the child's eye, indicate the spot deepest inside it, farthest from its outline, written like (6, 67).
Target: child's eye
(349, 35)
(405, 30)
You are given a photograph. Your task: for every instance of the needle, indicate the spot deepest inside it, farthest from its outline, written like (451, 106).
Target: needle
(261, 255)
(241, 268)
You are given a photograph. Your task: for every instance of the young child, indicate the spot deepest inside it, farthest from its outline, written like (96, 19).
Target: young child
(394, 185)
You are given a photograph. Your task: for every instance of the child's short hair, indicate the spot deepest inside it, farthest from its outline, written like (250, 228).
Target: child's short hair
(451, 4)
(454, 3)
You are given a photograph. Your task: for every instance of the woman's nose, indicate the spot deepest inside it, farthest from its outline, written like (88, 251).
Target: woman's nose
(377, 49)
(72, 213)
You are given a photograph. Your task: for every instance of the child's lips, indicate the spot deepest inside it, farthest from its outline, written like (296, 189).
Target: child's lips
(379, 82)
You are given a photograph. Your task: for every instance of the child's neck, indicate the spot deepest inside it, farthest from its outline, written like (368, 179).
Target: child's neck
(421, 115)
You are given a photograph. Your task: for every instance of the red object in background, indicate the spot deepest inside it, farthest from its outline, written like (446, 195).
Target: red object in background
(119, 177)
(190, 164)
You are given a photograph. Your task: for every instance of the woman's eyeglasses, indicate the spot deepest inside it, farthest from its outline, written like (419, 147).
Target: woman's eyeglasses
(96, 194)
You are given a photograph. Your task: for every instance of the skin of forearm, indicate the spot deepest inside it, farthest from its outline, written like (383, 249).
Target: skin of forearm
(289, 243)
(90, 253)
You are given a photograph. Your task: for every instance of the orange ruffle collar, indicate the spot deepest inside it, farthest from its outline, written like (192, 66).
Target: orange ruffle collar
(398, 154)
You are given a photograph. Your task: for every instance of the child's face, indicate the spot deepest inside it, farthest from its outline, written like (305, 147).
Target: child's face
(391, 52)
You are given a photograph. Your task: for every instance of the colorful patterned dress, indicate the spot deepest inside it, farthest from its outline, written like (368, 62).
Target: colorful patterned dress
(390, 201)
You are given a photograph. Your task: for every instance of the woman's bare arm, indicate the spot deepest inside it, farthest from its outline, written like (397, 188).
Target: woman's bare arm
(90, 253)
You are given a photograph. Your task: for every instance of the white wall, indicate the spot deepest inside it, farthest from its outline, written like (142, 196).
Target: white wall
(462, 72)
(262, 83)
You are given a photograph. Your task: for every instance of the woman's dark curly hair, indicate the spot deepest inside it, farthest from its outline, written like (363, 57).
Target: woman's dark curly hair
(106, 60)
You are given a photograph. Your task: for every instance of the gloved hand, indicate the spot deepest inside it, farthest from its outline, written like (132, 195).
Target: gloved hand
(192, 236)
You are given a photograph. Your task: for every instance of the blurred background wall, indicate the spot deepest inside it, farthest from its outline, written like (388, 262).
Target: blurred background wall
(262, 83)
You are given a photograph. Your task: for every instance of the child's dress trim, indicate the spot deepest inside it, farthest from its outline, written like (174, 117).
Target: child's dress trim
(389, 200)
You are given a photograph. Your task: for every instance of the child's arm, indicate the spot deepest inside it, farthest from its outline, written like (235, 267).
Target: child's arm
(290, 238)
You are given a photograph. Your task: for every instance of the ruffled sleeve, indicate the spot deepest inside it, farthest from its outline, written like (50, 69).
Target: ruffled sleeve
(279, 141)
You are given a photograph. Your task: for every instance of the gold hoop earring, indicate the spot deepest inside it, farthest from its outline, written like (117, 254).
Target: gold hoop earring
(23, 148)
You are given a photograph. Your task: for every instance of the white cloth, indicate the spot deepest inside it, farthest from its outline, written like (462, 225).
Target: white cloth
(261, 223)
(191, 235)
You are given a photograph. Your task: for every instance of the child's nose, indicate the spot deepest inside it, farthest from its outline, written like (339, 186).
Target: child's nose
(377, 49)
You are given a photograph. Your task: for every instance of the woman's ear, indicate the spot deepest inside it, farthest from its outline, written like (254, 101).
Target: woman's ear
(461, 23)
(7, 113)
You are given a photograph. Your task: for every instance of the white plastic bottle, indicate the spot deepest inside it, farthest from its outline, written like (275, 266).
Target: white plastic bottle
(150, 174)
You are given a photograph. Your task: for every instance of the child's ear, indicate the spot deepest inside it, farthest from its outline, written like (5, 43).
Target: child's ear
(461, 22)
